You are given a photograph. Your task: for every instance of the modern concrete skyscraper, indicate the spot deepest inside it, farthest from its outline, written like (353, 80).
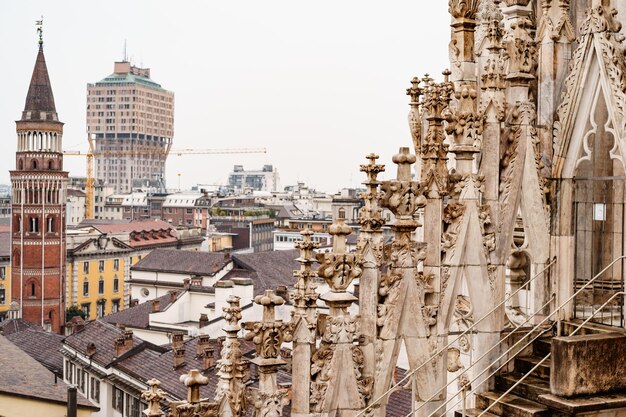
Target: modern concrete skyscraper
(38, 225)
(131, 118)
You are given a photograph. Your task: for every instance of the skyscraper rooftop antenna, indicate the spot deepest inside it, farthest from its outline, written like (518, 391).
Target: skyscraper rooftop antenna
(125, 54)
(39, 24)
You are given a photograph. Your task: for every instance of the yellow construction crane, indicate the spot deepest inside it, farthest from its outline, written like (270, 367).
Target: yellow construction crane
(89, 183)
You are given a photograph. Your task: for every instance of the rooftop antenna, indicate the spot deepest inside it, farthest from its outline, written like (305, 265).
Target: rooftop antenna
(39, 24)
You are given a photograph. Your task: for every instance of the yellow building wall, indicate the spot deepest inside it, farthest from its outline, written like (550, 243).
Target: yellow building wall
(108, 275)
(13, 406)
(5, 282)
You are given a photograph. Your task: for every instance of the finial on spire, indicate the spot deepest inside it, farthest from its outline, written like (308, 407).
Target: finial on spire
(39, 24)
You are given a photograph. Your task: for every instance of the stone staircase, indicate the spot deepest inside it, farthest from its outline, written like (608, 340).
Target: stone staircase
(532, 397)
(523, 400)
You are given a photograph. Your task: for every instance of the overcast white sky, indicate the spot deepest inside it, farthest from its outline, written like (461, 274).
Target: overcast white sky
(319, 84)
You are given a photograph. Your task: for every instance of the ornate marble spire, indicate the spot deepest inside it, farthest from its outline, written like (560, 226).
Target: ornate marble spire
(268, 336)
(337, 382)
(370, 215)
(230, 366)
(303, 323)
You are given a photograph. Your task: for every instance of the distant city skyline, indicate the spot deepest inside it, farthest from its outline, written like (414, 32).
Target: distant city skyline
(319, 87)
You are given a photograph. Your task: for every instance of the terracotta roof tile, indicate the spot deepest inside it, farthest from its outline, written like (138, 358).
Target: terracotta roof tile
(139, 316)
(11, 326)
(103, 336)
(268, 270)
(21, 375)
(182, 262)
(42, 346)
(133, 226)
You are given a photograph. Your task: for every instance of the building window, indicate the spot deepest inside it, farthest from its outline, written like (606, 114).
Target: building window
(81, 375)
(86, 267)
(86, 307)
(34, 224)
(118, 400)
(132, 406)
(85, 287)
(50, 165)
(34, 164)
(116, 264)
(50, 225)
(342, 213)
(116, 284)
(100, 266)
(115, 306)
(32, 288)
(3, 272)
(101, 285)
(69, 372)
(2, 296)
(100, 309)
(95, 389)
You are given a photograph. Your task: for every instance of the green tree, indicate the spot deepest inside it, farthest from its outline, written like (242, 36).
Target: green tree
(72, 311)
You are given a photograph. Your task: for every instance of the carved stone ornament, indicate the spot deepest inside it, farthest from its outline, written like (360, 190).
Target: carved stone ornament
(271, 404)
(463, 122)
(269, 334)
(339, 268)
(194, 406)
(304, 295)
(415, 116)
(154, 395)
(463, 9)
(403, 196)
(521, 49)
(370, 215)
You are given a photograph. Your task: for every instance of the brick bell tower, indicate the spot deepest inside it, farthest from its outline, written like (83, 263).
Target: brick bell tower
(38, 207)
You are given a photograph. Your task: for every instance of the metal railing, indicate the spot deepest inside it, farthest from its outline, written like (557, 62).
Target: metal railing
(519, 381)
(465, 332)
(463, 391)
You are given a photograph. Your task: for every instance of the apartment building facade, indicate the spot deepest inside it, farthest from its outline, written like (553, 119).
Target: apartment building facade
(131, 119)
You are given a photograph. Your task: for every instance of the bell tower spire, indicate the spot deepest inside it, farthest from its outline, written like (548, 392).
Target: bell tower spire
(38, 205)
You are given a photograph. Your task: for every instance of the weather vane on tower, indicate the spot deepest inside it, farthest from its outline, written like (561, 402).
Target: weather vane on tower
(39, 24)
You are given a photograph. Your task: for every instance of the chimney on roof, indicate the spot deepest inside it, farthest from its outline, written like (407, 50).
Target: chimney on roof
(156, 305)
(204, 321)
(173, 295)
(91, 349)
(123, 343)
(196, 281)
(177, 341)
(207, 358)
(203, 342)
(281, 291)
(179, 357)
(226, 256)
(134, 302)
(186, 283)
(75, 325)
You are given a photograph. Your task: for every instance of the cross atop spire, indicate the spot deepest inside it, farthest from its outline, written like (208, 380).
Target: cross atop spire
(39, 24)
